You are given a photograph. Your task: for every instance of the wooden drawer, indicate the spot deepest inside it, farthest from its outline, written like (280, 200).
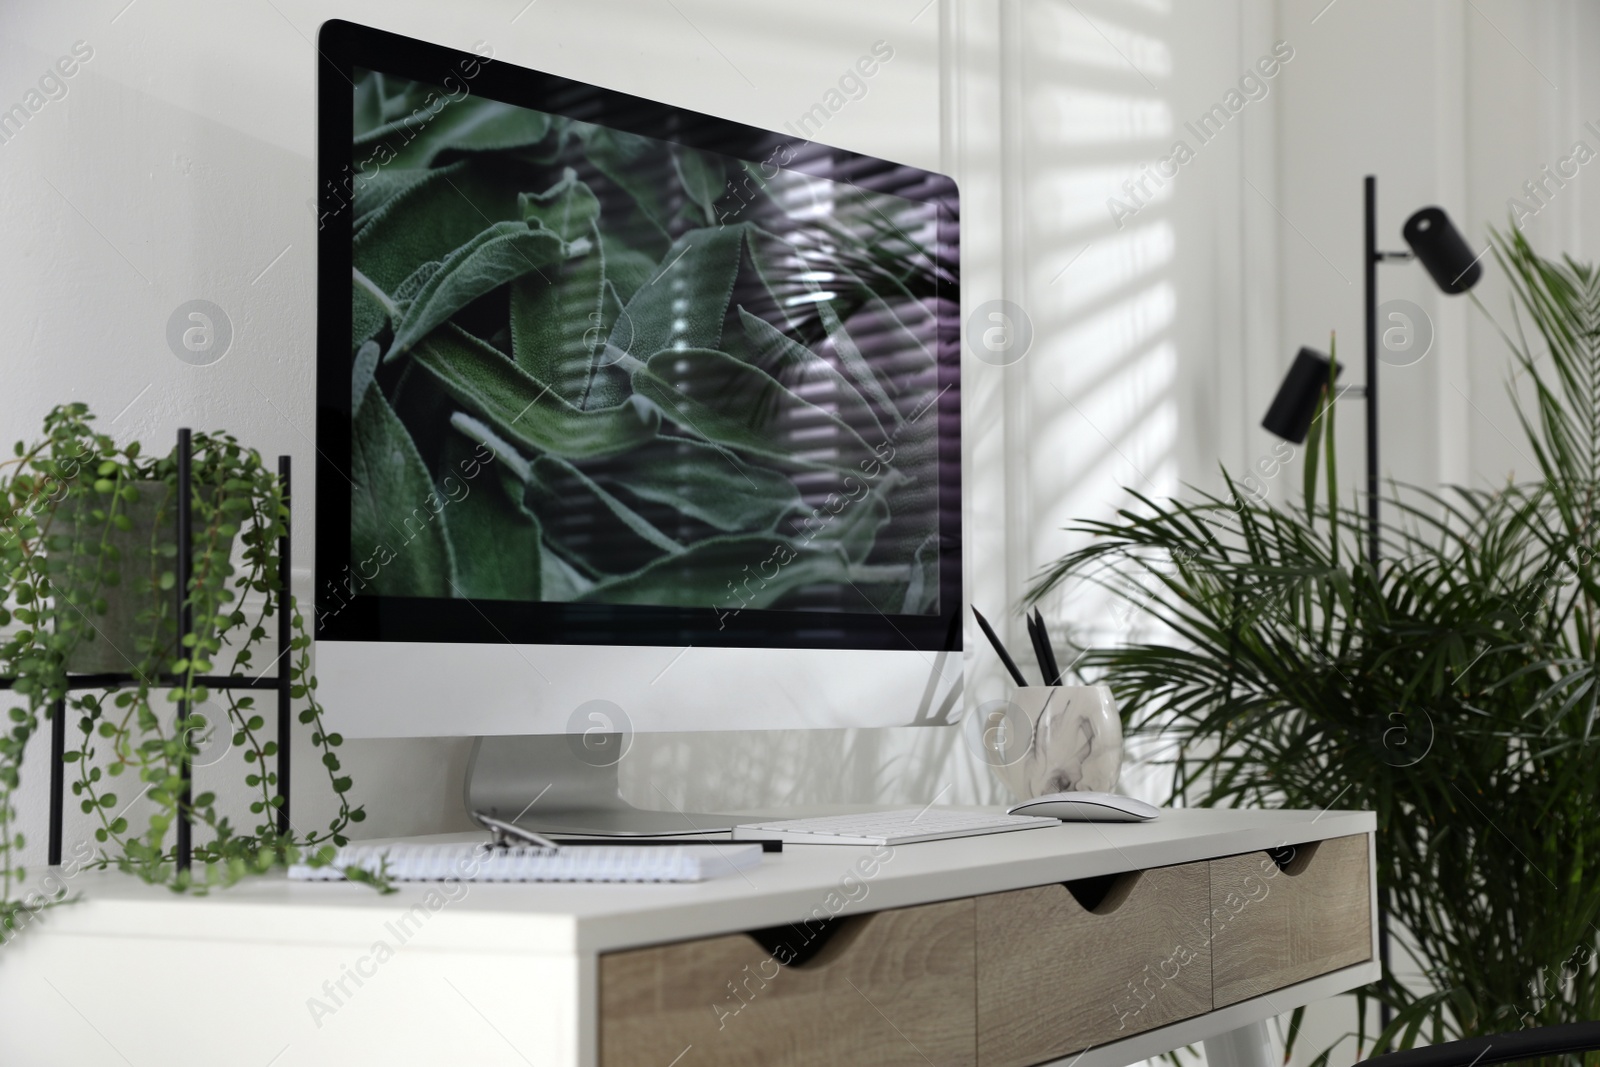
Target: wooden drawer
(1277, 921)
(1064, 967)
(892, 987)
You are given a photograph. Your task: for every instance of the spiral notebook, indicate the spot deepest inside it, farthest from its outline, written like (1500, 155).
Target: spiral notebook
(475, 862)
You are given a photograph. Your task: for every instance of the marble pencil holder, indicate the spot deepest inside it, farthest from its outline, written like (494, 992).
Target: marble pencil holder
(1074, 740)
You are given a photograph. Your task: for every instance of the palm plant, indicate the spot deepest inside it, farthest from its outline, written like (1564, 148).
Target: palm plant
(1451, 688)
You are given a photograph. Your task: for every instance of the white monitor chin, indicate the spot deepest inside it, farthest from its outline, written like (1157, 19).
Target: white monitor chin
(421, 689)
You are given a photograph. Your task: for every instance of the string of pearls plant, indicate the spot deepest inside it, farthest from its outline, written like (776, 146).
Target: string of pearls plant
(88, 567)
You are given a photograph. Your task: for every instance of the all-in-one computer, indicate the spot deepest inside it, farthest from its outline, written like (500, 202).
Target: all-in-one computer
(629, 419)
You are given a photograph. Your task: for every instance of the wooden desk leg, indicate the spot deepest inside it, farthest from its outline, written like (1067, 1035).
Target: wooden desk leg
(1248, 1046)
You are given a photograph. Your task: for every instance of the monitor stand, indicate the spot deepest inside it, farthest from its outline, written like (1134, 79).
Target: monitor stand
(568, 784)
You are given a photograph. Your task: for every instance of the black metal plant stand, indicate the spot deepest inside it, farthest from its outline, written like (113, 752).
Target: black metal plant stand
(280, 681)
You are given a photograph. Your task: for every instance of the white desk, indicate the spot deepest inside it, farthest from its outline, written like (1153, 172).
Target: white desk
(510, 974)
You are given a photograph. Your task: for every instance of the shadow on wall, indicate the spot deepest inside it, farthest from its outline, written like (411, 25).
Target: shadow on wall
(1099, 387)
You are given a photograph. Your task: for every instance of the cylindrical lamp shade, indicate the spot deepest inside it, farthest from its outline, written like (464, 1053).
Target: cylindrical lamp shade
(1295, 406)
(1442, 249)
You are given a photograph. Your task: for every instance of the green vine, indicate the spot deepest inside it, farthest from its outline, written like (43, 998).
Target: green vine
(87, 531)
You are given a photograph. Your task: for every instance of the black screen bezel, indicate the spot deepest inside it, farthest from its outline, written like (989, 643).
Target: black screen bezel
(343, 613)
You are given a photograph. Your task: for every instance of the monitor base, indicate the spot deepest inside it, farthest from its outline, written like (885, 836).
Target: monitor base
(568, 784)
(630, 822)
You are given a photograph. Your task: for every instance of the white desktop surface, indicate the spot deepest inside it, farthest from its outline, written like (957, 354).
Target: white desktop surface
(134, 972)
(586, 917)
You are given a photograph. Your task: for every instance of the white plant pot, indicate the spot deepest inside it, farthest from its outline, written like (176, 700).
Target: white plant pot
(1056, 739)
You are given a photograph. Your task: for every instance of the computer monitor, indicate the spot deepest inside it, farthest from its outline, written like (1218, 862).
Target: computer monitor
(629, 418)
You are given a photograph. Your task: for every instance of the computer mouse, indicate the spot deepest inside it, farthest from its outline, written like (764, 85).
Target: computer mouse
(1088, 807)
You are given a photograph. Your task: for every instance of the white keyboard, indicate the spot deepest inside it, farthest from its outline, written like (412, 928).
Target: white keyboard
(888, 827)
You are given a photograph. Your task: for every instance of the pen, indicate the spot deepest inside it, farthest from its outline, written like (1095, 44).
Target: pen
(1005, 657)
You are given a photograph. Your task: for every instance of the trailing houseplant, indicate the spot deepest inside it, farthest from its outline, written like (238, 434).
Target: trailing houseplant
(88, 576)
(1452, 688)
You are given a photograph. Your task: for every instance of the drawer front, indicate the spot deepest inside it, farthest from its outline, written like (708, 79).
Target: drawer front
(892, 987)
(1057, 974)
(1274, 925)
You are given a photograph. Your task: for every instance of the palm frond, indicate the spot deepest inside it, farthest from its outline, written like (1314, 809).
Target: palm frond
(1453, 689)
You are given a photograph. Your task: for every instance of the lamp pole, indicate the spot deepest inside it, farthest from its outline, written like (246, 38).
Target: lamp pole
(1373, 257)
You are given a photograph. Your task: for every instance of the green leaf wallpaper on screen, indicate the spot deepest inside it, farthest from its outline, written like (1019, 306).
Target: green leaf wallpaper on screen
(591, 366)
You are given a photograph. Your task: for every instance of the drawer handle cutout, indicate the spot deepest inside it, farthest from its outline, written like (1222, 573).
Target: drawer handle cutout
(1293, 859)
(809, 944)
(1102, 894)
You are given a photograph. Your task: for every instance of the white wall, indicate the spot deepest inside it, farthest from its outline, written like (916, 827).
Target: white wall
(180, 162)
(1451, 104)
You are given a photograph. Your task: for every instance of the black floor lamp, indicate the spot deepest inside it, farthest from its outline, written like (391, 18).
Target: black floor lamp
(1438, 245)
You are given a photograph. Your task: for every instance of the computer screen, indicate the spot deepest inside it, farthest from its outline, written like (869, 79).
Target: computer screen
(596, 371)
(661, 376)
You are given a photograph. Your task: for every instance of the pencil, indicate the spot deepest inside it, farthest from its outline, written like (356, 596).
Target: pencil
(1005, 657)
